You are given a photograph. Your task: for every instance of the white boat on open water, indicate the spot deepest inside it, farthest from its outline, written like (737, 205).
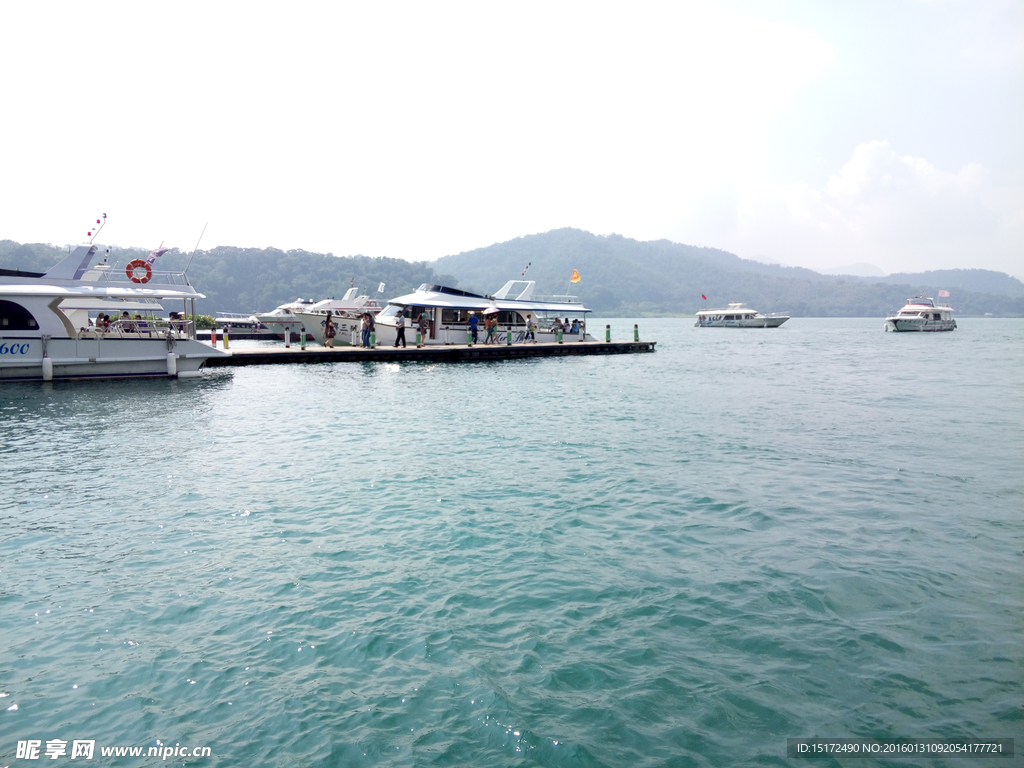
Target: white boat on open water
(738, 315)
(47, 333)
(449, 312)
(921, 314)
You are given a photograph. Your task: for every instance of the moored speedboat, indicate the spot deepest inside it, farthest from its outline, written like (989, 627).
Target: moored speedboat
(448, 315)
(237, 321)
(46, 331)
(738, 315)
(921, 314)
(283, 318)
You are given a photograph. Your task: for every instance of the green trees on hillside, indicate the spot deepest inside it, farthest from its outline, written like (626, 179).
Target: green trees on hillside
(620, 277)
(629, 278)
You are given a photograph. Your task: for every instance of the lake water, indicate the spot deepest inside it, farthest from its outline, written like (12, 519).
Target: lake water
(680, 558)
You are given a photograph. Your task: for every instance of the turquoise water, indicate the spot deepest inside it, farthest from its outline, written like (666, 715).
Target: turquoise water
(680, 558)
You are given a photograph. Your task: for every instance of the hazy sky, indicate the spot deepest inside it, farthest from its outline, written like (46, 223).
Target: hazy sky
(813, 133)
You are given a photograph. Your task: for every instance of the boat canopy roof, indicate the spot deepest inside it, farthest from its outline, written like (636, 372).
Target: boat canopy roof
(735, 309)
(921, 301)
(86, 302)
(101, 291)
(428, 295)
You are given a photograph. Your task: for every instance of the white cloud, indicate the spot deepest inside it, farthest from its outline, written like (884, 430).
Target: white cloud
(898, 212)
(417, 130)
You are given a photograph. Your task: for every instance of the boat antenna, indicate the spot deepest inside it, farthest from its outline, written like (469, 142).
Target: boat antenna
(96, 230)
(197, 246)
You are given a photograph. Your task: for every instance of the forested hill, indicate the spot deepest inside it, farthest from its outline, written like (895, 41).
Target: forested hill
(628, 278)
(256, 280)
(620, 277)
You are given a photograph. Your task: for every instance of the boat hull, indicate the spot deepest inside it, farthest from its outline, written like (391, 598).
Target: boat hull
(386, 335)
(22, 359)
(903, 325)
(346, 328)
(753, 322)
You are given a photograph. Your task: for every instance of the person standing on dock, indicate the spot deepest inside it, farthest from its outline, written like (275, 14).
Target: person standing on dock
(366, 330)
(474, 323)
(400, 328)
(422, 323)
(330, 331)
(529, 330)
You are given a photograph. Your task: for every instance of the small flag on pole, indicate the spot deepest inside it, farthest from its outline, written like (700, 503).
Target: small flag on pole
(704, 297)
(575, 277)
(156, 253)
(381, 289)
(943, 294)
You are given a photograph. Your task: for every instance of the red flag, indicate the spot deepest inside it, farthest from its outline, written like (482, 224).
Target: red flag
(943, 294)
(704, 297)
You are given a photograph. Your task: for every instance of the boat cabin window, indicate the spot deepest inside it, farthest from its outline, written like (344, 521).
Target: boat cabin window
(936, 316)
(14, 317)
(454, 316)
(413, 313)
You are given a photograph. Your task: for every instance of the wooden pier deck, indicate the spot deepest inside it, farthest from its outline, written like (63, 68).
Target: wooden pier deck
(447, 353)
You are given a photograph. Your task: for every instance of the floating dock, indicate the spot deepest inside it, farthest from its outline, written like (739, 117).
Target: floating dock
(432, 353)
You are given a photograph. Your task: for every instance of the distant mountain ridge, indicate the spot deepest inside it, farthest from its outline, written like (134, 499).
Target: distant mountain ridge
(625, 277)
(620, 277)
(861, 269)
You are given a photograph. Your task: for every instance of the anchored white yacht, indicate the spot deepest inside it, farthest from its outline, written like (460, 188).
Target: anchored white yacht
(921, 314)
(284, 316)
(46, 331)
(448, 314)
(738, 315)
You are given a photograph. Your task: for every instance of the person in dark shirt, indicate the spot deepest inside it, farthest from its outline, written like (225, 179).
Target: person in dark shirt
(400, 328)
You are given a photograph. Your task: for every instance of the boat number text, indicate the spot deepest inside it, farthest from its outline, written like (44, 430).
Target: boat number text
(14, 349)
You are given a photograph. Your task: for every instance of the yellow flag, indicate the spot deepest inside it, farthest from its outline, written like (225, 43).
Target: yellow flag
(575, 276)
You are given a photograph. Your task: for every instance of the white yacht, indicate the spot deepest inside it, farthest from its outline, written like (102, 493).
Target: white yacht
(284, 316)
(738, 315)
(921, 314)
(449, 311)
(237, 321)
(346, 314)
(47, 333)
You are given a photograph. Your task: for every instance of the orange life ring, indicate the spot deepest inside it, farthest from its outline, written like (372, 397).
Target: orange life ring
(138, 264)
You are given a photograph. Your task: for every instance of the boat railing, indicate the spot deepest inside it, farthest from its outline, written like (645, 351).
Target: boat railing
(118, 275)
(557, 298)
(141, 329)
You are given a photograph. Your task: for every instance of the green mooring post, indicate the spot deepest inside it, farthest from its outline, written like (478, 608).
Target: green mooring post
(559, 335)
(302, 336)
(373, 339)
(636, 332)
(419, 339)
(469, 337)
(508, 338)
(607, 333)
